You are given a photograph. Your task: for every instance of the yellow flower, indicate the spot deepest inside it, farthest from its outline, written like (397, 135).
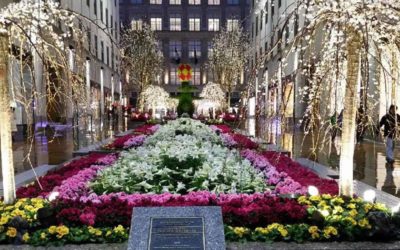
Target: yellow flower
(52, 229)
(11, 232)
(351, 206)
(337, 210)
(338, 200)
(353, 213)
(119, 229)
(283, 231)
(328, 231)
(3, 220)
(240, 231)
(313, 229)
(303, 200)
(322, 204)
(364, 223)
(327, 196)
(62, 230)
(25, 237)
(367, 207)
(380, 206)
(98, 232)
(315, 198)
(108, 233)
(315, 235)
(351, 220)
(43, 235)
(262, 230)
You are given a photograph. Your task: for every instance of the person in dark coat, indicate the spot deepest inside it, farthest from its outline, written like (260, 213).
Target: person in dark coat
(390, 123)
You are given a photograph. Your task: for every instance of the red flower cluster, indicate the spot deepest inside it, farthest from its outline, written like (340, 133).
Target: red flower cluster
(223, 128)
(146, 129)
(55, 178)
(301, 174)
(242, 209)
(230, 117)
(119, 142)
(140, 117)
(244, 142)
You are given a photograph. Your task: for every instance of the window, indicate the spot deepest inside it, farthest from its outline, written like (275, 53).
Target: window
(106, 17)
(261, 20)
(155, 1)
(213, 24)
(88, 3)
(89, 38)
(233, 2)
(195, 50)
(116, 30)
(194, 24)
(96, 46)
(232, 24)
(101, 11)
(210, 50)
(279, 3)
(112, 22)
(175, 50)
(174, 75)
(266, 12)
(213, 2)
(256, 25)
(177, 2)
(95, 7)
(156, 23)
(137, 24)
(136, 1)
(175, 22)
(102, 51)
(194, 2)
(108, 55)
(196, 79)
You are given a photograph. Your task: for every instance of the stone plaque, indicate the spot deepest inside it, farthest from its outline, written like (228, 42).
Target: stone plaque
(194, 228)
(177, 233)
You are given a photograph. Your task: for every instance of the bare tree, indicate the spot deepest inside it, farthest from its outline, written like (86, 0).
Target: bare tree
(229, 58)
(141, 58)
(29, 34)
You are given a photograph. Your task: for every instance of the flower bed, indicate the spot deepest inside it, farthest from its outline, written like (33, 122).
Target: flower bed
(55, 178)
(126, 142)
(250, 186)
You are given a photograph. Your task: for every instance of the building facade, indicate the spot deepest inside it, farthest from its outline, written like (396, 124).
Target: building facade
(185, 29)
(100, 21)
(273, 26)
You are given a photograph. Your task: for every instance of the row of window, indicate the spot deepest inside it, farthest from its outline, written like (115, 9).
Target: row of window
(175, 23)
(107, 19)
(190, 2)
(106, 56)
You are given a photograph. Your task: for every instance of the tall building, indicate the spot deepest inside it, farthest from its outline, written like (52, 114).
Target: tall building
(277, 79)
(185, 29)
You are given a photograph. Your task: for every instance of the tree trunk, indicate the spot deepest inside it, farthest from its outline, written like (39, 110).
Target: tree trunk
(349, 114)
(394, 74)
(5, 125)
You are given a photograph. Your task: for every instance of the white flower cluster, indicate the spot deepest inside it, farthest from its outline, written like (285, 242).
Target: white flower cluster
(219, 169)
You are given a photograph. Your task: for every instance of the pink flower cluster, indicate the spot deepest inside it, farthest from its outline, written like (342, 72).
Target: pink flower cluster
(55, 178)
(77, 186)
(283, 183)
(301, 174)
(134, 141)
(238, 141)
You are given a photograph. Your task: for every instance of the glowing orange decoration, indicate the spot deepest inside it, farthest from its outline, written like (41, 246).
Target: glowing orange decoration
(185, 72)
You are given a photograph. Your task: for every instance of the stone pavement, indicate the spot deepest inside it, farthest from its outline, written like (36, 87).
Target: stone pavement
(240, 246)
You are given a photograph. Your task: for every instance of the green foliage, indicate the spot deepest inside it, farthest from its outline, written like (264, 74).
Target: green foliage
(185, 104)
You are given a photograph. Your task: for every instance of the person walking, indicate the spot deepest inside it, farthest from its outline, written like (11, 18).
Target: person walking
(389, 121)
